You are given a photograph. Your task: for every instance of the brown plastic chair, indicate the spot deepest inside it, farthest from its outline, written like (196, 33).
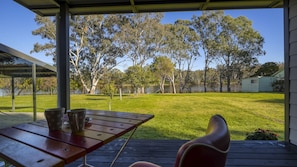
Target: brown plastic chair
(207, 151)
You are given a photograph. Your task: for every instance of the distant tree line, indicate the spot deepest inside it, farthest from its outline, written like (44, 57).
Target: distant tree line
(156, 53)
(157, 76)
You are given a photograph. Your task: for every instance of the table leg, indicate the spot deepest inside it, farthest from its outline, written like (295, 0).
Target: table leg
(122, 148)
(85, 164)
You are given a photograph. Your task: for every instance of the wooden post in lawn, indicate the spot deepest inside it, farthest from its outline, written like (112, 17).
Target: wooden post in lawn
(109, 104)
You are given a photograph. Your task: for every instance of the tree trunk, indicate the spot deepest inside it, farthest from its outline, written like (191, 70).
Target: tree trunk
(204, 80)
(82, 80)
(228, 83)
(20, 91)
(173, 86)
(228, 74)
(221, 83)
(162, 85)
(92, 90)
(173, 83)
(181, 85)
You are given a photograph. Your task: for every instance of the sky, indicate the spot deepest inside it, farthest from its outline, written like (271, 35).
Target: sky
(17, 24)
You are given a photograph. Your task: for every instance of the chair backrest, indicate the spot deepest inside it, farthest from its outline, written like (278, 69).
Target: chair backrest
(208, 151)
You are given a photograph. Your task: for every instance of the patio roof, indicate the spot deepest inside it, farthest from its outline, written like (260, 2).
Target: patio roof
(81, 7)
(16, 64)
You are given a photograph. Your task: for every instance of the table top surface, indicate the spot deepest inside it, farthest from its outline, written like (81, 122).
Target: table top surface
(56, 148)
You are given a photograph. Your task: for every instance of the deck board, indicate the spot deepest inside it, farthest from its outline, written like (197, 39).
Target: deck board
(163, 152)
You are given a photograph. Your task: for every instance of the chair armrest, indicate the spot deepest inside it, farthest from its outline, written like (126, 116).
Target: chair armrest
(143, 164)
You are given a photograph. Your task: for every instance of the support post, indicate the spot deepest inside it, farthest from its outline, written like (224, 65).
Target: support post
(62, 56)
(34, 91)
(287, 70)
(12, 95)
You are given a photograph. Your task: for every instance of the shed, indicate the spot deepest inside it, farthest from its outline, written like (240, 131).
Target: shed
(279, 75)
(261, 83)
(257, 84)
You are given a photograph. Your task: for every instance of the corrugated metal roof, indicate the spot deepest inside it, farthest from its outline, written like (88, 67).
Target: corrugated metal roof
(82, 7)
(16, 64)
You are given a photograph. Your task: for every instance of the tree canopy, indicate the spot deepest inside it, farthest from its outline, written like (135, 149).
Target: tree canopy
(163, 69)
(267, 69)
(99, 43)
(231, 42)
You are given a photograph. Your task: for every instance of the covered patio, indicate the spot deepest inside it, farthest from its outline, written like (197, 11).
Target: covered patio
(242, 153)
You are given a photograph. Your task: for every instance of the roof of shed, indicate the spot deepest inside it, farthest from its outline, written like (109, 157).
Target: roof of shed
(16, 64)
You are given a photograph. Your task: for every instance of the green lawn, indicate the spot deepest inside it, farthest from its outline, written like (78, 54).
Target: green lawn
(180, 116)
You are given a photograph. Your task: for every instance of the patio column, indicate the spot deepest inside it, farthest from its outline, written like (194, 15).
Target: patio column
(34, 90)
(287, 69)
(62, 56)
(12, 95)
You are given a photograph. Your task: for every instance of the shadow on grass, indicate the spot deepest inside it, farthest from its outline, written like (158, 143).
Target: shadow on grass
(101, 97)
(95, 98)
(145, 132)
(16, 108)
(279, 101)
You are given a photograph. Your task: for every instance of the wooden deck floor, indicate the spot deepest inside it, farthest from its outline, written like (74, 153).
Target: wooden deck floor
(163, 152)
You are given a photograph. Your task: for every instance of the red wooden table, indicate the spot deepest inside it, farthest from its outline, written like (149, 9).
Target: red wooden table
(32, 144)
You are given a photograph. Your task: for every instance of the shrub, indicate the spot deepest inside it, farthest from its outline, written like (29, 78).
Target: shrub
(260, 134)
(109, 90)
(278, 86)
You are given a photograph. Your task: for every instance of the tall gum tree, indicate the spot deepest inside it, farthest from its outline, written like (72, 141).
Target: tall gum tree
(182, 48)
(191, 41)
(92, 50)
(206, 26)
(141, 37)
(231, 42)
(163, 68)
(239, 46)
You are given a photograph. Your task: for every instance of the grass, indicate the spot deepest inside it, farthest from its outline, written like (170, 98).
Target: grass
(180, 116)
